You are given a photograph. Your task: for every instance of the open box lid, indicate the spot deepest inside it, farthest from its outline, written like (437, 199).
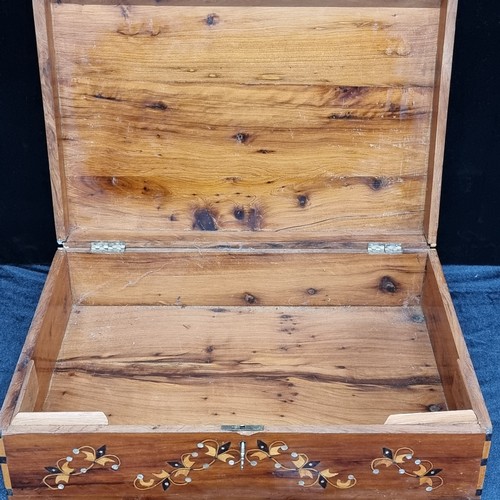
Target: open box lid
(247, 123)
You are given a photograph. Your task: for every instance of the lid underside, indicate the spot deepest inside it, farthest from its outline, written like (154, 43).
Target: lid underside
(247, 124)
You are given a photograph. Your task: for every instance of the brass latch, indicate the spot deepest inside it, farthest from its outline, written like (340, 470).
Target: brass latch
(242, 428)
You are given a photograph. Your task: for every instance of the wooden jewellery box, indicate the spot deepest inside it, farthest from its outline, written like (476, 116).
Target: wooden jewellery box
(247, 302)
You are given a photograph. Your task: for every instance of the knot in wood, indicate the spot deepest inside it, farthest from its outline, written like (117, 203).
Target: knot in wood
(249, 298)
(435, 407)
(241, 137)
(212, 19)
(387, 285)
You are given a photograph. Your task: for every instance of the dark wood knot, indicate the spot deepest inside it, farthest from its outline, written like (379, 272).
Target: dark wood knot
(249, 298)
(435, 407)
(212, 19)
(302, 200)
(204, 220)
(241, 137)
(239, 213)
(388, 285)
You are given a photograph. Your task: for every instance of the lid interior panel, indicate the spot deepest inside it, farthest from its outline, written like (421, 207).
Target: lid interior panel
(179, 121)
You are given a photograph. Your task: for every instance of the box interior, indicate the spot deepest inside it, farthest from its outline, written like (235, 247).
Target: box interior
(347, 341)
(269, 366)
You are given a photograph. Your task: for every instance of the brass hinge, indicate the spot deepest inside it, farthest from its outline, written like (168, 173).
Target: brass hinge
(385, 248)
(107, 247)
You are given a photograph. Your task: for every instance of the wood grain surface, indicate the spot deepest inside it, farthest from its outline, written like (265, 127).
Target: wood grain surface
(450, 350)
(41, 348)
(266, 365)
(439, 117)
(261, 124)
(348, 455)
(246, 278)
(242, 119)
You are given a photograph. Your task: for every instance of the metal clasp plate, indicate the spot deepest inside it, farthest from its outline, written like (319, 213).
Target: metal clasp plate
(242, 428)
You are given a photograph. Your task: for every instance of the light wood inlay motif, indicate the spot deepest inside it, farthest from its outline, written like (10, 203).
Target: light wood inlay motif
(285, 463)
(404, 460)
(80, 461)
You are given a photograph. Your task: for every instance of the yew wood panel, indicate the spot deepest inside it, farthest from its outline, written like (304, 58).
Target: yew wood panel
(453, 360)
(394, 46)
(43, 342)
(240, 278)
(263, 118)
(347, 458)
(265, 365)
(118, 206)
(272, 3)
(439, 117)
(188, 130)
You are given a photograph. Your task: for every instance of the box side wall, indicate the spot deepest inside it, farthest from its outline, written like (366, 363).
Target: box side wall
(453, 360)
(246, 278)
(42, 344)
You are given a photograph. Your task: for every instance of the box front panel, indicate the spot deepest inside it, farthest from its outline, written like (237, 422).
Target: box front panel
(229, 465)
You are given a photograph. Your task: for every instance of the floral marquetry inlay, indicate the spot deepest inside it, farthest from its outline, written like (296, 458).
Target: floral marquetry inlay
(210, 452)
(179, 471)
(404, 460)
(307, 470)
(80, 461)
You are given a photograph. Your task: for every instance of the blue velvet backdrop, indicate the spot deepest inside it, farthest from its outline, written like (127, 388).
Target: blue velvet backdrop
(475, 291)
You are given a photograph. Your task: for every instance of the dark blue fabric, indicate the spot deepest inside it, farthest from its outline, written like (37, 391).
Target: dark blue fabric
(475, 292)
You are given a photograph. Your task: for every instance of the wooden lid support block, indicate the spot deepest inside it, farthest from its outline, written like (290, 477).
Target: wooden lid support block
(456, 417)
(62, 418)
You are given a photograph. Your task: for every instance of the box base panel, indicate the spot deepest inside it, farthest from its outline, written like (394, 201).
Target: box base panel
(245, 365)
